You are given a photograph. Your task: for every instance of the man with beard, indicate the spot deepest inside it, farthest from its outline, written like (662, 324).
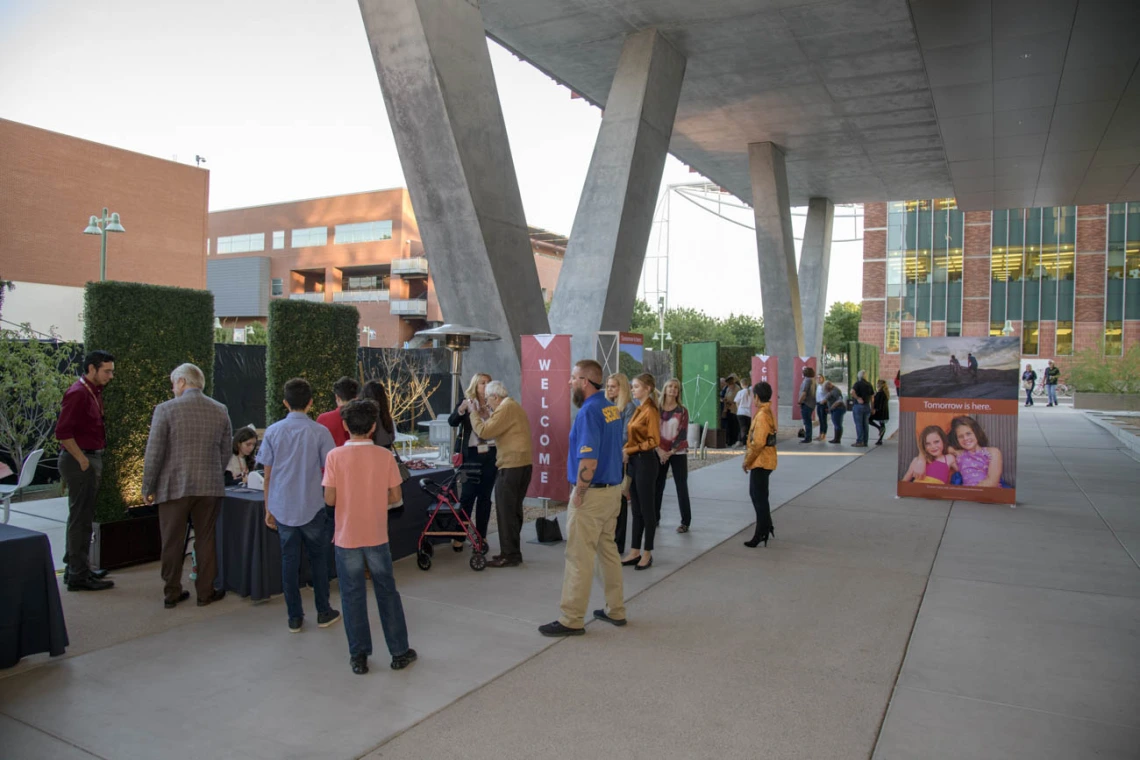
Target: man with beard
(594, 467)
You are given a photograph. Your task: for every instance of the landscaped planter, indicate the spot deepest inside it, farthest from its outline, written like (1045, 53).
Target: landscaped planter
(1107, 402)
(131, 541)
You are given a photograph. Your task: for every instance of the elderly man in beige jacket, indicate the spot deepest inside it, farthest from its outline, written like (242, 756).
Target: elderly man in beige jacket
(189, 446)
(509, 427)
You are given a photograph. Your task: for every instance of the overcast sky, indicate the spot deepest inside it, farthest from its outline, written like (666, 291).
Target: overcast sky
(283, 101)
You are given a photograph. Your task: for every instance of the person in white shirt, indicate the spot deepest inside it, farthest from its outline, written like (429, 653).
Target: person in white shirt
(821, 405)
(744, 411)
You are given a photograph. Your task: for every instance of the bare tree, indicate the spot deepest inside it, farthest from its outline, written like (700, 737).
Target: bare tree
(406, 377)
(34, 375)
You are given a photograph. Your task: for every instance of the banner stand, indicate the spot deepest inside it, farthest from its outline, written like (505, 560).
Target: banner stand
(545, 516)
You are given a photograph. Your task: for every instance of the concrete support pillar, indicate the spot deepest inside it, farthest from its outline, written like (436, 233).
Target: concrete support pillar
(435, 74)
(815, 261)
(597, 286)
(775, 246)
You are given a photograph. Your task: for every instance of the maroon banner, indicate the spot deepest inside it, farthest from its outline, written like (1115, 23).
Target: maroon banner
(766, 369)
(798, 365)
(546, 367)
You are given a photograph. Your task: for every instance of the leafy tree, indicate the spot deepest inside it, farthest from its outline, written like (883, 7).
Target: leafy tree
(34, 375)
(741, 330)
(687, 325)
(5, 286)
(255, 335)
(841, 326)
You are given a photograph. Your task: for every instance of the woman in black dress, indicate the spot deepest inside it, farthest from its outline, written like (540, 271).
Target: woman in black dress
(881, 410)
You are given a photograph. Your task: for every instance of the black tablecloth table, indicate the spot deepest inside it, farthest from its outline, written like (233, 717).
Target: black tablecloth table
(31, 616)
(249, 553)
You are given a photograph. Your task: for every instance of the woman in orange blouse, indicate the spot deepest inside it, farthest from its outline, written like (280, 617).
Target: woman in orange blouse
(640, 454)
(759, 461)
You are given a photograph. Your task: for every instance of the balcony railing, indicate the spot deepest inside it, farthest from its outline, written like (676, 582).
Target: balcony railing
(409, 307)
(315, 297)
(360, 296)
(413, 267)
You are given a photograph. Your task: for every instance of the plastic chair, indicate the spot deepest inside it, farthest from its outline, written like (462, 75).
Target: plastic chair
(27, 473)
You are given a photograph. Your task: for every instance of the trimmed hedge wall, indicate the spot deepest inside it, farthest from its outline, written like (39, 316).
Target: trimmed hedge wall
(863, 356)
(736, 360)
(150, 330)
(316, 341)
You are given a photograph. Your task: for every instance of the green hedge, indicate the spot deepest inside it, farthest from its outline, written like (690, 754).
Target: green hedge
(736, 360)
(315, 341)
(149, 330)
(862, 356)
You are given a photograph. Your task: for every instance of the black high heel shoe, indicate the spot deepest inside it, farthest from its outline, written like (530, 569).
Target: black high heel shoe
(631, 561)
(646, 566)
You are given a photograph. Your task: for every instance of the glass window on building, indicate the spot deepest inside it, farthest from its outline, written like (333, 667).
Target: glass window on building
(1029, 335)
(366, 278)
(241, 243)
(310, 237)
(1132, 263)
(1064, 338)
(898, 234)
(1113, 337)
(1122, 286)
(276, 287)
(363, 232)
(278, 240)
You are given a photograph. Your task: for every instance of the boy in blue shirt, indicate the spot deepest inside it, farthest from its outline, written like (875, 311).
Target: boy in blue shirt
(293, 453)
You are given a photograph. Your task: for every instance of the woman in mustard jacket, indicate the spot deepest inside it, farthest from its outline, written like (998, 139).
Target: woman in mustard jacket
(640, 454)
(759, 461)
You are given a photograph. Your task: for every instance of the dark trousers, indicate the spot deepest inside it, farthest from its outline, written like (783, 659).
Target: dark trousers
(510, 490)
(679, 463)
(350, 565)
(743, 422)
(643, 469)
(1029, 397)
(316, 536)
(837, 422)
(805, 417)
(172, 519)
(758, 492)
(880, 425)
(821, 415)
(478, 495)
(82, 488)
(731, 429)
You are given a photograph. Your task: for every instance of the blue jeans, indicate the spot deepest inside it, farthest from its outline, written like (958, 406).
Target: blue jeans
(1051, 389)
(821, 416)
(837, 422)
(350, 565)
(862, 414)
(805, 415)
(317, 539)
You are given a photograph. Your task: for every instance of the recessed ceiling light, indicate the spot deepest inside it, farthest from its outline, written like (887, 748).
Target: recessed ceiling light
(1026, 56)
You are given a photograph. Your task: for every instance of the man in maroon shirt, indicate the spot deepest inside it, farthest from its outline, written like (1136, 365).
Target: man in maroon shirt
(345, 390)
(82, 435)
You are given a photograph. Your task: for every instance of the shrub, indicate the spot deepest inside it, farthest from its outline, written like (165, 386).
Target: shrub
(150, 330)
(736, 360)
(1092, 372)
(315, 341)
(862, 356)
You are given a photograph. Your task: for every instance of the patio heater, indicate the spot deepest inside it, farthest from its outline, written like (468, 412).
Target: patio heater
(458, 338)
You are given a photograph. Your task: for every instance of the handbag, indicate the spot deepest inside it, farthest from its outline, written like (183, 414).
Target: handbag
(405, 473)
(547, 530)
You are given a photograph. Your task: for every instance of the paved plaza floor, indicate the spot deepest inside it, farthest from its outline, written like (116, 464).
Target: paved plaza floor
(871, 627)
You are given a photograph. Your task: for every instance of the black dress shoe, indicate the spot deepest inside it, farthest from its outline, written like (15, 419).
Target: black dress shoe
(601, 615)
(88, 583)
(100, 573)
(172, 603)
(631, 561)
(218, 595)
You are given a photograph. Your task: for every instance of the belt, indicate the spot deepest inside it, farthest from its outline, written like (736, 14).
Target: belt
(603, 485)
(92, 451)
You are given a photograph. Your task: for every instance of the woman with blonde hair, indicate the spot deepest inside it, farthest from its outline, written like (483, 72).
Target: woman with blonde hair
(617, 392)
(474, 453)
(640, 454)
(673, 450)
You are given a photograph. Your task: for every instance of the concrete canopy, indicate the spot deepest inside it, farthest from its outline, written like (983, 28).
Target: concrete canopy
(844, 87)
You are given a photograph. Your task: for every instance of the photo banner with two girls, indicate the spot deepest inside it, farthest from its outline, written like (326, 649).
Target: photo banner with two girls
(958, 404)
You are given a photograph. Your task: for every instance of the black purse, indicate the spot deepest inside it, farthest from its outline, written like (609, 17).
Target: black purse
(547, 531)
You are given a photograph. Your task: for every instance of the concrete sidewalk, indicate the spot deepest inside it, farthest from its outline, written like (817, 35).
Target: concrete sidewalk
(870, 627)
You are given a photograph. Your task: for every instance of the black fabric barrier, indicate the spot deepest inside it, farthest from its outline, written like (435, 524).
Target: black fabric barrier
(239, 383)
(31, 616)
(249, 553)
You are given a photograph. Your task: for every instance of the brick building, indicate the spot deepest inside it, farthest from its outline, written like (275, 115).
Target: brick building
(1064, 279)
(51, 184)
(364, 249)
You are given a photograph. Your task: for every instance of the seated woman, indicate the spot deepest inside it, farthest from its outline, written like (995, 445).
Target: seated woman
(242, 462)
(933, 464)
(979, 463)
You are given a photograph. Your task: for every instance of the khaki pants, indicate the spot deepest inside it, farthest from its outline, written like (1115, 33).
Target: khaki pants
(589, 538)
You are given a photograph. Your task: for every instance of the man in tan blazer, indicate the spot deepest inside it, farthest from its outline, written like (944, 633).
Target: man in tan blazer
(186, 455)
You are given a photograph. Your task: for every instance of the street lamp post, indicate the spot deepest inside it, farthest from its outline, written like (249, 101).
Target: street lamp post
(97, 226)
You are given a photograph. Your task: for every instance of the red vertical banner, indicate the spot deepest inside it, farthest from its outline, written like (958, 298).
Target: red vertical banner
(546, 368)
(766, 369)
(798, 365)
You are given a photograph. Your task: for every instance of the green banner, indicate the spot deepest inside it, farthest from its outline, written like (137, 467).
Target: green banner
(699, 386)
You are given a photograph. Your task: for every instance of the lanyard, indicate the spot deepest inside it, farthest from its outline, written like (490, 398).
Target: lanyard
(98, 401)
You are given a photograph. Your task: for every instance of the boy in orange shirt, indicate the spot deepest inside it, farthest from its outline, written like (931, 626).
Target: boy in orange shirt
(361, 480)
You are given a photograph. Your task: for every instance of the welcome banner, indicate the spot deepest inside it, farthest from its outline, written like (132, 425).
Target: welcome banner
(766, 369)
(546, 367)
(958, 418)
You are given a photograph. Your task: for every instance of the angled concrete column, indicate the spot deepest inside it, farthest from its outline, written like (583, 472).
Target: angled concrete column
(598, 282)
(775, 247)
(435, 73)
(815, 261)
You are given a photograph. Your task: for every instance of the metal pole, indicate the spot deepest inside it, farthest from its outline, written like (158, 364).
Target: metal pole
(103, 254)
